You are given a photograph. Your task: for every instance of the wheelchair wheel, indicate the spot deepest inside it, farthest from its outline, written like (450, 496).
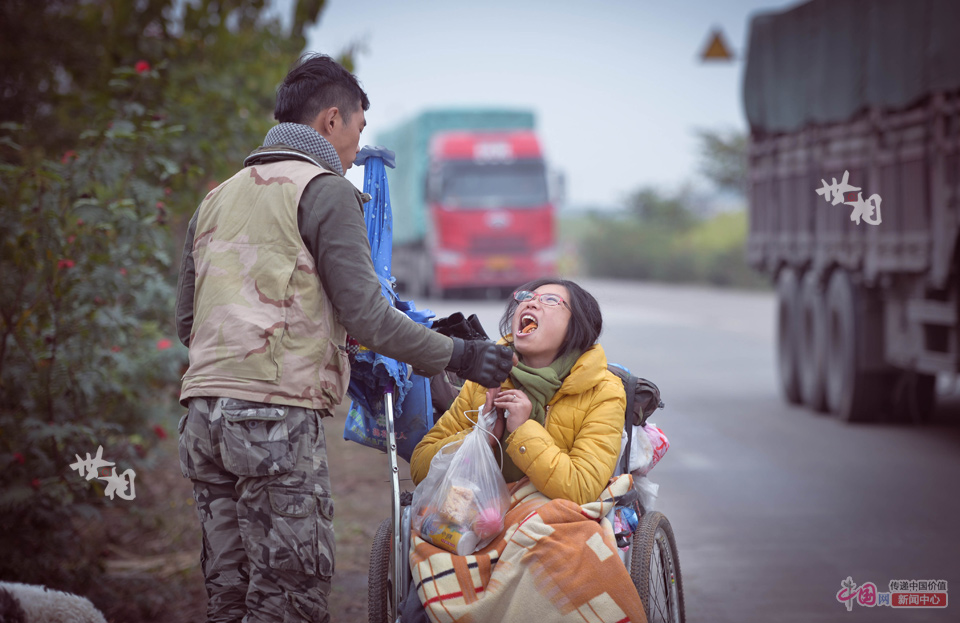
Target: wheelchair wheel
(655, 569)
(380, 578)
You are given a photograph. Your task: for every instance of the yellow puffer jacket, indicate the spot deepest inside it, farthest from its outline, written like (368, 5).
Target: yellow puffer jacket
(573, 456)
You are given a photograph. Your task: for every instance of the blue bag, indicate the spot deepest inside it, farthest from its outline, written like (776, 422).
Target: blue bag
(367, 425)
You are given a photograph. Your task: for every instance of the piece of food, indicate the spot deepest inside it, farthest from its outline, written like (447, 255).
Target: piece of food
(528, 324)
(458, 506)
(451, 537)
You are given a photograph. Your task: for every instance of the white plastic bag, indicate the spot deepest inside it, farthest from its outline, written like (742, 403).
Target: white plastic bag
(647, 446)
(460, 508)
(648, 492)
(435, 475)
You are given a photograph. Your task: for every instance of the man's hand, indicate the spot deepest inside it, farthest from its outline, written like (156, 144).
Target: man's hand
(481, 362)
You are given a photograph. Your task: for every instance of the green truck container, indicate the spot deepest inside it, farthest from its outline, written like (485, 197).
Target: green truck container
(480, 153)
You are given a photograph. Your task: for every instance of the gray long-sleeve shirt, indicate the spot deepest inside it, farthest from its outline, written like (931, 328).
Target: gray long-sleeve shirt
(330, 220)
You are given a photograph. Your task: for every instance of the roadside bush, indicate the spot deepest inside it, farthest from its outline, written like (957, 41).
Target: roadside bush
(709, 251)
(86, 357)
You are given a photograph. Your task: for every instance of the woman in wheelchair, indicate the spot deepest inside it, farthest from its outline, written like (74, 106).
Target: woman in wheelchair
(559, 422)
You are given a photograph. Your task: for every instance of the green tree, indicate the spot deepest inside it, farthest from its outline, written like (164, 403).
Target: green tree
(219, 63)
(670, 237)
(723, 159)
(86, 359)
(669, 213)
(118, 116)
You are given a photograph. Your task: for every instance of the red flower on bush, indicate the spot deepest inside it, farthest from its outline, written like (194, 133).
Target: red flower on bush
(18, 458)
(162, 434)
(123, 271)
(142, 67)
(68, 156)
(164, 344)
(35, 483)
(115, 349)
(61, 264)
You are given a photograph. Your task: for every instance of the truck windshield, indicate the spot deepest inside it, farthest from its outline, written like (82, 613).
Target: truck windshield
(518, 183)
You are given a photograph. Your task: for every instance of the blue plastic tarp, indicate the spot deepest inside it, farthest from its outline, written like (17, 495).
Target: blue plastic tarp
(371, 374)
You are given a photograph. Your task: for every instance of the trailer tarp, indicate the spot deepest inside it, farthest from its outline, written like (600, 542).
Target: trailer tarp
(826, 61)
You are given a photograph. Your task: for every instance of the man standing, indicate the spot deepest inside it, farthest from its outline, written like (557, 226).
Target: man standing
(276, 271)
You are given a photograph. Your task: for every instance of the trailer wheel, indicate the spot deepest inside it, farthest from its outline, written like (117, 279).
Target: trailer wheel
(812, 343)
(853, 394)
(788, 303)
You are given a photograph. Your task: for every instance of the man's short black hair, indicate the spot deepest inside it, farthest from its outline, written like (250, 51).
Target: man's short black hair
(586, 321)
(316, 83)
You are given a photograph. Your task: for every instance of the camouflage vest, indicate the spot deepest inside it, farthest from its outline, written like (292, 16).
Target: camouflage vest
(263, 327)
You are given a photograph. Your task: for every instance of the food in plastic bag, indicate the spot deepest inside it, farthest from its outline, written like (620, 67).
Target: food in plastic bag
(488, 523)
(460, 508)
(450, 536)
(424, 491)
(457, 506)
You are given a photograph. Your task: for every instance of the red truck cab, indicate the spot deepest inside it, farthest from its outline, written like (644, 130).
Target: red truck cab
(493, 222)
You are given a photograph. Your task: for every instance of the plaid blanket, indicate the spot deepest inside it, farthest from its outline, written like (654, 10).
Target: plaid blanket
(556, 561)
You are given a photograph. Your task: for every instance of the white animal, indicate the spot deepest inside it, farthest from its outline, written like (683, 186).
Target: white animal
(43, 605)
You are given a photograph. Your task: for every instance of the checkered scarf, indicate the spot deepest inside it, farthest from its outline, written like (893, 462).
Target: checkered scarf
(306, 139)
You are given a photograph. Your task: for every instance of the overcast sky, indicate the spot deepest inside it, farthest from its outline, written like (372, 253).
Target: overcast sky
(617, 86)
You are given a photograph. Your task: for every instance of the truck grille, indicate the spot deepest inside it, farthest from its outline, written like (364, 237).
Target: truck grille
(500, 244)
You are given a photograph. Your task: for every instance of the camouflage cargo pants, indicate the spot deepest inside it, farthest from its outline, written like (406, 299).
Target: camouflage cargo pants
(262, 488)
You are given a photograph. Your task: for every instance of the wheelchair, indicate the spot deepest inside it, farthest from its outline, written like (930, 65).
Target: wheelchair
(651, 555)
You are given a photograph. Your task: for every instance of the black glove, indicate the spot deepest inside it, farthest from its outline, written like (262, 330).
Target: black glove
(482, 362)
(455, 325)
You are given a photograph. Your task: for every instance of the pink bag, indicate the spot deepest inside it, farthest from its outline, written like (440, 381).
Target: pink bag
(648, 446)
(658, 441)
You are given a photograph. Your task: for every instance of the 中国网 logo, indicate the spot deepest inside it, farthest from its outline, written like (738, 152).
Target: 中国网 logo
(902, 594)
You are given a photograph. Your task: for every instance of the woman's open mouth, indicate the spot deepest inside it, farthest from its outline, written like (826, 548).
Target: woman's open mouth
(528, 324)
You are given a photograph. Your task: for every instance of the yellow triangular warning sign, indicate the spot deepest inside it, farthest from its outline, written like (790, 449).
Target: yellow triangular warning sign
(717, 48)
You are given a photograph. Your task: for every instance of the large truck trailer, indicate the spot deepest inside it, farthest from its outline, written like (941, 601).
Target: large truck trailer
(472, 206)
(854, 199)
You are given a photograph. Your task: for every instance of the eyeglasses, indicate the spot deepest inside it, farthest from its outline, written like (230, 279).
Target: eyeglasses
(551, 300)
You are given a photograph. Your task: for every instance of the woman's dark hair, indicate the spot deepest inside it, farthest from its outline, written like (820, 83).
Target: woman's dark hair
(586, 321)
(316, 83)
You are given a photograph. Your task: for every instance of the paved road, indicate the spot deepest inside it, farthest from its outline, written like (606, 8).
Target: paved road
(774, 506)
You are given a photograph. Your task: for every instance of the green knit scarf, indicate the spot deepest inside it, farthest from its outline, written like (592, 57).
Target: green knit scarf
(540, 385)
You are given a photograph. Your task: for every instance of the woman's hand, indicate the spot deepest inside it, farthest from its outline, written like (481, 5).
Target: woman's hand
(517, 407)
(498, 425)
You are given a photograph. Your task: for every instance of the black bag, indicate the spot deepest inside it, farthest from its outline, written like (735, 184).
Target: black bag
(455, 325)
(643, 396)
